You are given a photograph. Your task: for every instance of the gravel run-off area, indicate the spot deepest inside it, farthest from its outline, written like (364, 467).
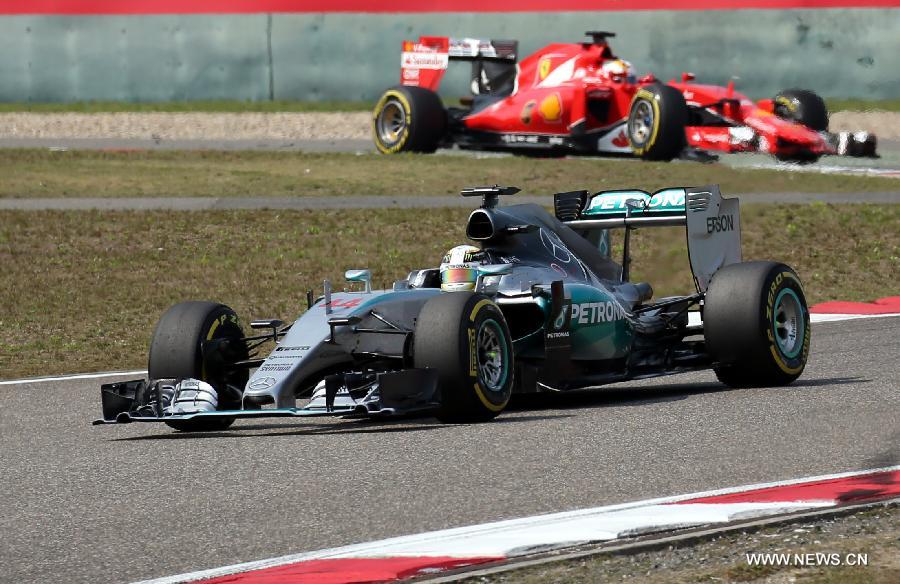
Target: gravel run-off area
(280, 126)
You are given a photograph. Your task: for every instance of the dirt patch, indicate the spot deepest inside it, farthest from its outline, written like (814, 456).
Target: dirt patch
(885, 125)
(188, 126)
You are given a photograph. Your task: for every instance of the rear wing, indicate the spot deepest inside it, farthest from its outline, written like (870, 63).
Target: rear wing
(422, 63)
(713, 223)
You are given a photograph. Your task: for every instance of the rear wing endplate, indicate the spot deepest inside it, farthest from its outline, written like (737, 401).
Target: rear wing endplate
(423, 62)
(713, 223)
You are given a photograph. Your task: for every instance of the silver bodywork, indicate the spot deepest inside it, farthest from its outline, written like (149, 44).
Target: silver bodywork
(580, 321)
(308, 348)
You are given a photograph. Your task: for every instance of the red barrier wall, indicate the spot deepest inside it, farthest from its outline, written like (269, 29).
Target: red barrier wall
(76, 7)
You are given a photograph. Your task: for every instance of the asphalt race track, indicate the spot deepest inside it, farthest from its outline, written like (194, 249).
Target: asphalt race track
(117, 504)
(887, 162)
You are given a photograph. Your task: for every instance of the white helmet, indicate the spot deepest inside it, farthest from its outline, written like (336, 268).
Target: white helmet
(618, 70)
(459, 268)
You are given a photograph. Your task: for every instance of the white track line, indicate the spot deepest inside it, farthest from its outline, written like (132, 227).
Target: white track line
(72, 376)
(694, 317)
(817, 317)
(521, 536)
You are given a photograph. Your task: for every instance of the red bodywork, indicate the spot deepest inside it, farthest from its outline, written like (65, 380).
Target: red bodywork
(770, 133)
(563, 97)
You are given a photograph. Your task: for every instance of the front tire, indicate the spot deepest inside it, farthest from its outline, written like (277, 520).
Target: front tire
(656, 122)
(756, 324)
(803, 107)
(466, 339)
(177, 351)
(408, 119)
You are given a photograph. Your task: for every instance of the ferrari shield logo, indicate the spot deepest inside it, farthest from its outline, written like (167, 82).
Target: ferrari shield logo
(544, 68)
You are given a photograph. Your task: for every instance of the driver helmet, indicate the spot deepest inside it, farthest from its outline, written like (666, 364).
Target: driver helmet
(618, 70)
(459, 268)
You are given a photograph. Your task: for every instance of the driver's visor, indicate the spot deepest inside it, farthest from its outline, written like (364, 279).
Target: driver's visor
(459, 276)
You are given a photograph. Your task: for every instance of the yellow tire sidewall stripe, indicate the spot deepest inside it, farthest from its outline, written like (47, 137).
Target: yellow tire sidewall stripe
(477, 386)
(391, 93)
(651, 98)
(779, 360)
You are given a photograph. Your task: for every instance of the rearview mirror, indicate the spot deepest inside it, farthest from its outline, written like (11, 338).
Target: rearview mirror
(364, 276)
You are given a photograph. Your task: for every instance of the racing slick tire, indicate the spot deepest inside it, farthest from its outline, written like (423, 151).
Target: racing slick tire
(656, 122)
(803, 107)
(756, 324)
(464, 336)
(176, 351)
(408, 119)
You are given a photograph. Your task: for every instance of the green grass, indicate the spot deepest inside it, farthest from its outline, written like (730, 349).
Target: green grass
(82, 290)
(30, 173)
(216, 106)
(863, 105)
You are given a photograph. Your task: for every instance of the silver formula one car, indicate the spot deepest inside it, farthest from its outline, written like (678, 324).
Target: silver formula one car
(539, 305)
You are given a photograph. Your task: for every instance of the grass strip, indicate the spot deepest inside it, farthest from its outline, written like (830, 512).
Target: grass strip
(34, 173)
(863, 105)
(217, 106)
(81, 291)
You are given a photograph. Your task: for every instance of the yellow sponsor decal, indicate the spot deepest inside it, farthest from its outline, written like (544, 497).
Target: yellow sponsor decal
(551, 108)
(770, 298)
(473, 354)
(544, 68)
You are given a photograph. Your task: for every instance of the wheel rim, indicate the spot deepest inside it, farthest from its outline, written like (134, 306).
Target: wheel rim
(492, 356)
(640, 124)
(391, 122)
(789, 323)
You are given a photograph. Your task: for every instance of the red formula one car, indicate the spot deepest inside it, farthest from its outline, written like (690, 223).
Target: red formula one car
(581, 98)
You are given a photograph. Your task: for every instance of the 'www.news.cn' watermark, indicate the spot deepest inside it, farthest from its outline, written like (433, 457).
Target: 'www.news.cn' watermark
(811, 559)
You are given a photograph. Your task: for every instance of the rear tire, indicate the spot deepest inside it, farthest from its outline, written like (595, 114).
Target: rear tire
(408, 119)
(756, 324)
(176, 351)
(656, 122)
(465, 338)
